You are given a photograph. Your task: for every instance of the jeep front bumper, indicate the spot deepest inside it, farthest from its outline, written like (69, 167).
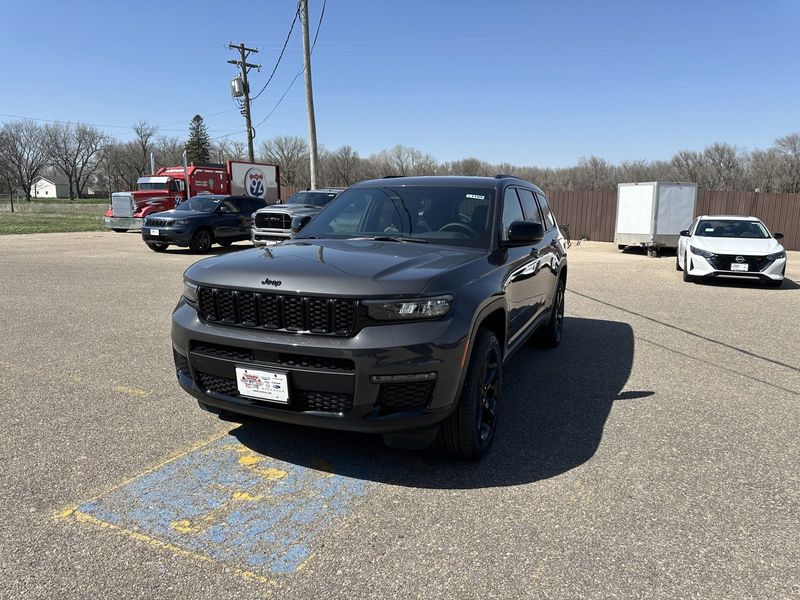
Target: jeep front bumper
(386, 378)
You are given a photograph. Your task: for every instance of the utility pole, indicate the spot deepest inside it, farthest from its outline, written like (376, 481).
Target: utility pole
(312, 127)
(245, 66)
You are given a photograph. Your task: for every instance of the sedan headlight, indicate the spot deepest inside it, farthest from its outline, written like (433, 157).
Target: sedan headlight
(699, 252)
(407, 310)
(190, 292)
(777, 255)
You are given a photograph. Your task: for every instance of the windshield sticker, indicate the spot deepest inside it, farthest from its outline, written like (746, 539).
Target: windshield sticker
(476, 197)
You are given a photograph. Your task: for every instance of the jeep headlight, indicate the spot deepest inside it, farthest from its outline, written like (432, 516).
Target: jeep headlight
(699, 252)
(408, 310)
(777, 255)
(190, 292)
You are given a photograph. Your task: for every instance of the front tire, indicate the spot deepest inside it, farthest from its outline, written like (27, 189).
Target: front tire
(201, 241)
(469, 431)
(157, 246)
(686, 277)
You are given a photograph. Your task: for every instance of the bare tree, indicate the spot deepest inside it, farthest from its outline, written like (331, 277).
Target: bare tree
(75, 150)
(169, 151)
(723, 167)
(144, 142)
(7, 178)
(24, 153)
(290, 153)
(788, 147)
(343, 166)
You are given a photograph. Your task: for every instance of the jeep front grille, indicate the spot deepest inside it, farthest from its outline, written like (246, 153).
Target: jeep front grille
(278, 312)
(151, 222)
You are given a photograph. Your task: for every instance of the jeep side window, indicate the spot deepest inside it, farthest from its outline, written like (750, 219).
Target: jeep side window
(512, 211)
(530, 206)
(549, 219)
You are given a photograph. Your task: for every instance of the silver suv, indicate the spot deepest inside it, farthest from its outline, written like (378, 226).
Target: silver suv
(274, 223)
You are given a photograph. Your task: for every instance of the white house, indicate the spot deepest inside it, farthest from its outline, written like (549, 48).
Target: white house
(50, 186)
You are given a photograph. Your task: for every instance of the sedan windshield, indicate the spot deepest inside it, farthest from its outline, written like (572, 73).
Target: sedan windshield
(731, 228)
(200, 204)
(313, 198)
(440, 215)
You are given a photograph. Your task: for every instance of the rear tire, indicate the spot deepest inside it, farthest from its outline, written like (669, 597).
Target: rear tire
(157, 246)
(552, 332)
(469, 431)
(201, 241)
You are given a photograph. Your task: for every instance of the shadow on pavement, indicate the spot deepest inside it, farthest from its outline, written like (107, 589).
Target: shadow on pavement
(788, 284)
(555, 405)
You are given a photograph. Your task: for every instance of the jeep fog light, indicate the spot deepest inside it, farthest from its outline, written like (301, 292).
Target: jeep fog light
(190, 292)
(406, 310)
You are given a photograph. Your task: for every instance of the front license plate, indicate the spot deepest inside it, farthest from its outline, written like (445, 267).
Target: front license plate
(154, 232)
(738, 266)
(263, 385)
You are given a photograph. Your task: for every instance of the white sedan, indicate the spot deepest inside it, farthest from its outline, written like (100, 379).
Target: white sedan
(723, 246)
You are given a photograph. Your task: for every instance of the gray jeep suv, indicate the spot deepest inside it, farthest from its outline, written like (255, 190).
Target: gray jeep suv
(392, 311)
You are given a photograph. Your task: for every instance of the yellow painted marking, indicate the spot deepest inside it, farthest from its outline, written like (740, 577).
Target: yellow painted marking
(304, 564)
(141, 537)
(203, 522)
(248, 460)
(170, 458)
(130, 391)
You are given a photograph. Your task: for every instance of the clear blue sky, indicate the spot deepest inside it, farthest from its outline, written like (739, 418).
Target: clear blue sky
(530, 83)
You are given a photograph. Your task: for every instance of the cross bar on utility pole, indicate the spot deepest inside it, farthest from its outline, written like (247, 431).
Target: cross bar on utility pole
(245, 66)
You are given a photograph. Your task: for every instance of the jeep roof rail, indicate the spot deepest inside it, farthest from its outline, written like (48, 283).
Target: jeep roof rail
(504, 175)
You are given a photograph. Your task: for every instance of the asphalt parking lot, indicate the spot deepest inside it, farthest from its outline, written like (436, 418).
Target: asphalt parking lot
(653, 455)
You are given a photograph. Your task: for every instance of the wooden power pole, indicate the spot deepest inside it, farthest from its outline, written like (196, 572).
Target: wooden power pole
(245, 66)
(312, 127)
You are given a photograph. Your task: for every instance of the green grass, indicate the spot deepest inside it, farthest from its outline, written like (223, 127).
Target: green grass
(49, 223)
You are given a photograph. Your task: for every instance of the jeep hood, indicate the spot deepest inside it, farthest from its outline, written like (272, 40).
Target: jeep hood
(345, 268)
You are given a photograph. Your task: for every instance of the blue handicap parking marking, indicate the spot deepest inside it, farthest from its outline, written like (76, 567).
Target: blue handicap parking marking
(233, 505)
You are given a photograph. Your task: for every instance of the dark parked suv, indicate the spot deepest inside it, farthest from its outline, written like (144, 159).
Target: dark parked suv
(391, 312)
(200, 221)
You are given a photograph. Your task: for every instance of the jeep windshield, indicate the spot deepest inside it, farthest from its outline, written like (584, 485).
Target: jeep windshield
(453, 216)
(205, 204)
(311, 198)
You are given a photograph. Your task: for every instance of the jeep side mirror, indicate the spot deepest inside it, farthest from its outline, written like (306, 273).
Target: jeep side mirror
(684, 233)
(777, 236)
(299, 222)
(523, 233)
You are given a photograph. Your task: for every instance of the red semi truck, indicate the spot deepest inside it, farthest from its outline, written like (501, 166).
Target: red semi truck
(166, 188)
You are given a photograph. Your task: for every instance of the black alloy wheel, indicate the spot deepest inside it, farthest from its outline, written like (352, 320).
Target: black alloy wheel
(201, 241)
(488, 395)
(469, 431)
(553, 331)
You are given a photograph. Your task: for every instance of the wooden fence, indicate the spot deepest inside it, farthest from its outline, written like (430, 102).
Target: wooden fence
(593, 214)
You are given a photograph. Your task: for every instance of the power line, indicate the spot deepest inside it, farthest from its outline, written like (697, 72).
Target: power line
(280, 56)
(300, 72)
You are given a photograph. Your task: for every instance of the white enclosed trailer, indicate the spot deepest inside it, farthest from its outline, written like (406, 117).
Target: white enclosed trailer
(651, 215)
